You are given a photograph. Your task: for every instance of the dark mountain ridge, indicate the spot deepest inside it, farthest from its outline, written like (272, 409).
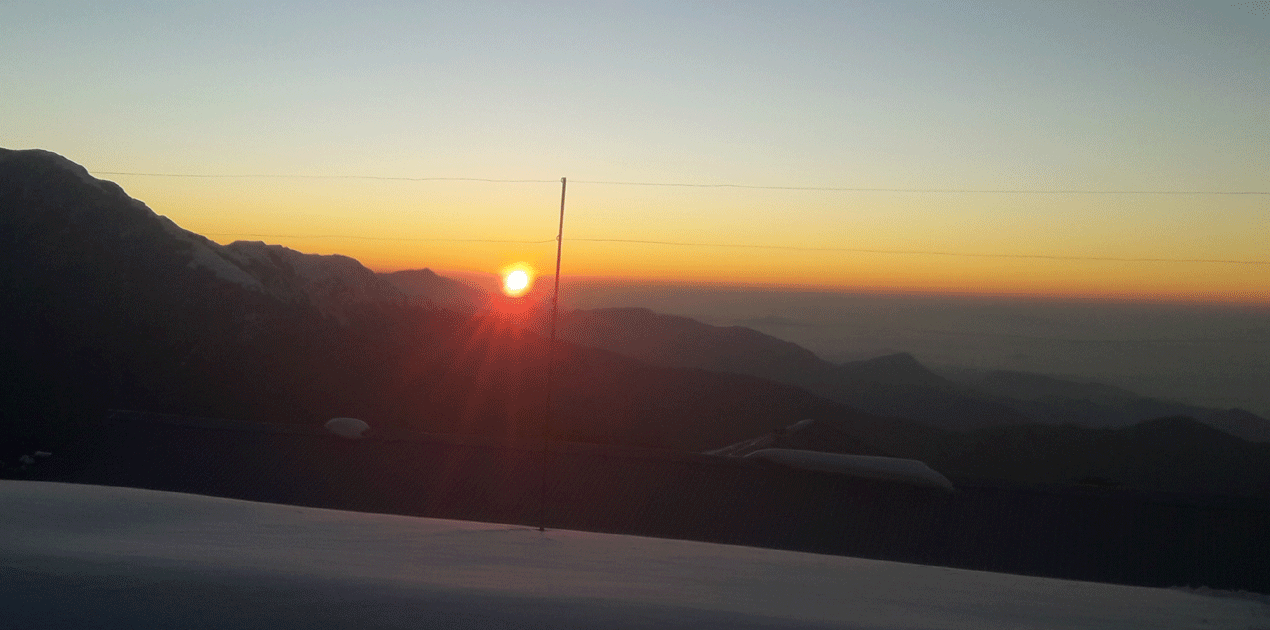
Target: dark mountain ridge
(426, 287)
(1174, 455)
(1177, 454)
(894, 385)
(109, 305)
(1052, 400)
(889, 386)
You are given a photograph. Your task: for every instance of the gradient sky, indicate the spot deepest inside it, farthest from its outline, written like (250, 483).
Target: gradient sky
(1115, 96)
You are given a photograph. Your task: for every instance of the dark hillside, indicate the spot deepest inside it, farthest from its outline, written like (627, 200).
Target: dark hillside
(424, 286)
(1179, 455)
(1084, 533)
(109, 305)
(895, 385)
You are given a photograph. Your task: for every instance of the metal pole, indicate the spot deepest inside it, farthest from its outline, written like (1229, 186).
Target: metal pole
(551, 352)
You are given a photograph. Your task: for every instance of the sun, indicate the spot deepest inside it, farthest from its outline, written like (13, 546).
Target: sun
(517, 280)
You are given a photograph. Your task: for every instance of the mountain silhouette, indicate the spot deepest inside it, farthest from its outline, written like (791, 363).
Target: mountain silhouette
(1176, 454)
(1241, 423)
(895, 385)
(424, 286)
(332, 284)
(1052, 400)
(109, 305)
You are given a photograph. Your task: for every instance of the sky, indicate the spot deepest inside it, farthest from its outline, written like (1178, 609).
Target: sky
(1162, 97)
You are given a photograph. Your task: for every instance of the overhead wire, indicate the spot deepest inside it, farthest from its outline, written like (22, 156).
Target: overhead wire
(931, 190)
(669, 243)
(383, 238)
(1073, 191)
(800, 248)
(369, 177)
(923, 252)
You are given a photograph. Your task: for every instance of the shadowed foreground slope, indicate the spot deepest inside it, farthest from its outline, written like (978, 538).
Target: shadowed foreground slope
(1098, 534)
(198, 562)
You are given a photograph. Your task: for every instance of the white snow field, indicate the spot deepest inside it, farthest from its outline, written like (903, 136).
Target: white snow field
(75, 556)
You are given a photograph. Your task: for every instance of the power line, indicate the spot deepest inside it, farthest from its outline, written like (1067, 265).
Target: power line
(798, 248)
(728, 245)
(370, 177)
(384, 238)
(933, 190)
(700, 185)
(922, 252)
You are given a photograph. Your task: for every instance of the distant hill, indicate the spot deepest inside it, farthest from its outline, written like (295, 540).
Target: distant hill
(683, 342)
(1052, 400)
(1241, 423)
(1176, 454)
(424, 286)
(895, 385)
(1028, 386)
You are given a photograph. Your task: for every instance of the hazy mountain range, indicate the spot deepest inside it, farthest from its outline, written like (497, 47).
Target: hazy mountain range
(892, 385)
(109, 305)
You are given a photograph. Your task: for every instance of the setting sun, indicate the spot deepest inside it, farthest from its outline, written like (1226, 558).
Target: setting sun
(517, 280)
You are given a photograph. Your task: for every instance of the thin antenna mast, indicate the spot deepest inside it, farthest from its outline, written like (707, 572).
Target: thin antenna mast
(551, 353)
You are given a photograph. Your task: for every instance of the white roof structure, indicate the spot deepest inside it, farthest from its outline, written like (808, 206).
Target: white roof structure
(100, 557)
(895, 469)
(350, 428)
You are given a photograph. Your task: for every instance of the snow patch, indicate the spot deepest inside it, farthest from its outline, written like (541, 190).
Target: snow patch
(331, 283)
(908, 471)
(350, 428)
(203, 255)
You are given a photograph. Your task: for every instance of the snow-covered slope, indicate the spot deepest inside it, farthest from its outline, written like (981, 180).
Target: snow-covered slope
(36, 186)
(210, 256)
(51, 185)
(331, 283)
(91, 556)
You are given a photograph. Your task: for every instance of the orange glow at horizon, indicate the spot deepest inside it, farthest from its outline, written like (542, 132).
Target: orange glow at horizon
(833, 244)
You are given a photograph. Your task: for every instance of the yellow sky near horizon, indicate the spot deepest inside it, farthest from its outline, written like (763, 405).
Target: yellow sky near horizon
(830, 240)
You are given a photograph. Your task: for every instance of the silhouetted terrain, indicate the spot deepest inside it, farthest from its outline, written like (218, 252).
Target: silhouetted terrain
(1087, 532)
(425, 287)
(1212, 355)
(1168, 454)
(1241, 423)
(889, 386)
(111, 306)
(892, 385)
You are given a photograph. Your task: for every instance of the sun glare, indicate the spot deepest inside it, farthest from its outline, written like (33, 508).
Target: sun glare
(517, 280)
